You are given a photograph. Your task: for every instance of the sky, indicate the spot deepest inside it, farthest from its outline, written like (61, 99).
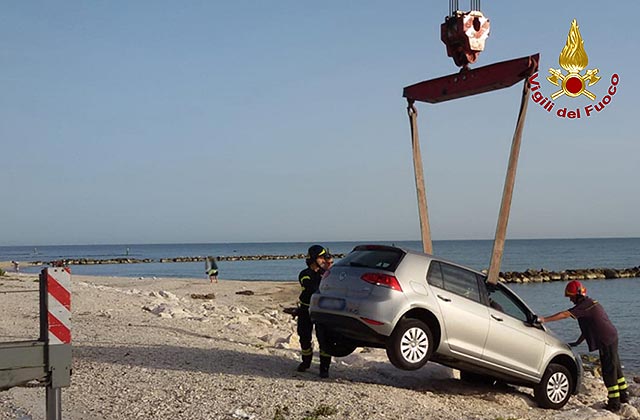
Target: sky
(239, 121)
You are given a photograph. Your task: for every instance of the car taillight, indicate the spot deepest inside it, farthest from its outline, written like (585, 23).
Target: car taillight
(371, 321)
(380, 279)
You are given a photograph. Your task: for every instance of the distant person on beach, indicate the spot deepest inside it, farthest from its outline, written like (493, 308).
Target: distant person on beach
(597, 329)
(211, 269)
(309, 279)
(16, 266)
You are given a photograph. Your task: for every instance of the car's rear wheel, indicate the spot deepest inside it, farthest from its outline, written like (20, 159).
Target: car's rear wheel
(335, 344)
(410, 345)
(555, 388)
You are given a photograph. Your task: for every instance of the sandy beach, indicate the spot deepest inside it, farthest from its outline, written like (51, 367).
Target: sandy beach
(163, 349)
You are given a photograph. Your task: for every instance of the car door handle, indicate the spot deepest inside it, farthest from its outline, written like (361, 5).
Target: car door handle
(497, 318)
(444, 298)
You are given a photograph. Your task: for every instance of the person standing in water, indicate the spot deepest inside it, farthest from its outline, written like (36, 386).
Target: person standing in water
(211, 269)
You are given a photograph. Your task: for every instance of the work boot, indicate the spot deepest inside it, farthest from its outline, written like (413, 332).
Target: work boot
(613, 404)
(325, 362)
(624, 396)
(306, 363)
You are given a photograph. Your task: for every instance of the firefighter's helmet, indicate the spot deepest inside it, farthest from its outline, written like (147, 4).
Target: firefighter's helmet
(575, 288)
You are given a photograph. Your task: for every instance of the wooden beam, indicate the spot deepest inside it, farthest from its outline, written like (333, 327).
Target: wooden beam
(419, 176)
(507, 193)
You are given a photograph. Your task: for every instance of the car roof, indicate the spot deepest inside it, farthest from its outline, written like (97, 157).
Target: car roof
(418, 253)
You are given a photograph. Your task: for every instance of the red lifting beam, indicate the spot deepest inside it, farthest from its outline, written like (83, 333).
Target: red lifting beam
(471, 82)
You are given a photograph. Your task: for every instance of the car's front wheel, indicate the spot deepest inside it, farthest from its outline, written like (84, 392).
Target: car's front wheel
(555, 388)
(410, 345)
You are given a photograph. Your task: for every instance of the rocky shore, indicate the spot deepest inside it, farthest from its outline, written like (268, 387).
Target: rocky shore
(187, 349)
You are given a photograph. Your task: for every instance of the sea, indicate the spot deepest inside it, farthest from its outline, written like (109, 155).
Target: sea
(619, 297)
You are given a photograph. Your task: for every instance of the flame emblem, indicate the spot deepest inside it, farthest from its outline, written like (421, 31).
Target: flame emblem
(573, 59)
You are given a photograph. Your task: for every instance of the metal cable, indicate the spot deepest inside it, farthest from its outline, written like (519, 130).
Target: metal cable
(453, 7)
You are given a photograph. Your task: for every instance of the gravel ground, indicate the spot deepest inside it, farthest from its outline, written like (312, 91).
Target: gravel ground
(162, 349)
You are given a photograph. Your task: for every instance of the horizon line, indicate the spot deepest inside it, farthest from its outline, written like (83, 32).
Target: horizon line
(317, 241)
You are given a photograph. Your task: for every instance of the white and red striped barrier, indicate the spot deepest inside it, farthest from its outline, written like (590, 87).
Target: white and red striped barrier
(59, 304)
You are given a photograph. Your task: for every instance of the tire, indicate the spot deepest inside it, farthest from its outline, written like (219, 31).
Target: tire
(410, 345)
(555, 388)
(336, 345)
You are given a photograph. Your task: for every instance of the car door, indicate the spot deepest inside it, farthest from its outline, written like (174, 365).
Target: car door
(465, 315)
(512, 342)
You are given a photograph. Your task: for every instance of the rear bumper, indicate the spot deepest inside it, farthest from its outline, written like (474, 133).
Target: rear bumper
(351, 328)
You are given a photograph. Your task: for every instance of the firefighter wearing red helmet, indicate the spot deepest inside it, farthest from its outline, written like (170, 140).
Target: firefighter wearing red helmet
(600, 334)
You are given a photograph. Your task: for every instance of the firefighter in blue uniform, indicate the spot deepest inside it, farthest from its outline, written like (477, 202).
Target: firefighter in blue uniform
(309, 279)
(600, 334)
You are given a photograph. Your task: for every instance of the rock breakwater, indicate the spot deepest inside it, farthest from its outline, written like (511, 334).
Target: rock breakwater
(527, 276)
(94, 261)
(540, 276)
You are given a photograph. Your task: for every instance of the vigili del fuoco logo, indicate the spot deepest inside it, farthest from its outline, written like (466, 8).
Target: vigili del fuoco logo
(572, 84)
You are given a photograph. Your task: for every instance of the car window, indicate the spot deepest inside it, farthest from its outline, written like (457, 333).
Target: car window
(434, 276)
(378, 258)
(461, 282)
(503, 302)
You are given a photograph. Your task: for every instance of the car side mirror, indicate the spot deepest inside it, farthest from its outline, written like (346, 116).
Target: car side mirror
(534, 321)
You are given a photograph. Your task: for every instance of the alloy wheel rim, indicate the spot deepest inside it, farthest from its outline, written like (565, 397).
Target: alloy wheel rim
(414, 345)
(558, 387)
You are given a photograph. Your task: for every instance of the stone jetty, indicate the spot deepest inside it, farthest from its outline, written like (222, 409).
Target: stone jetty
(527, 276)
(91, 261)
(540, 276)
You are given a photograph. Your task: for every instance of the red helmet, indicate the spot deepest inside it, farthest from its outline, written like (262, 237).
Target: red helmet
(575, 288)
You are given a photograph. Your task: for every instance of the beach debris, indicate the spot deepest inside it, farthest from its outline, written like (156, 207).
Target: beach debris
(163, 294)
(104, 313)
(628, 412)
(239, 413)
(277, 339)
(239, 309)
(166, 310)
(203, 296)
(245, 292)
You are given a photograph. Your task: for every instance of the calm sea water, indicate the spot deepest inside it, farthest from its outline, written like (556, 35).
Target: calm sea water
(551, 254)
(619, 297)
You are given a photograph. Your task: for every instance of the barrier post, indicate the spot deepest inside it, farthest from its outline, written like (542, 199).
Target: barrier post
(55, 331)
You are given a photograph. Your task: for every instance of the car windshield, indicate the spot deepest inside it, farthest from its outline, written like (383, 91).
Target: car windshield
(383, 258)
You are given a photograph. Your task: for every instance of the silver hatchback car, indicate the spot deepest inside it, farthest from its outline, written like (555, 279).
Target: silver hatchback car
(420, 308)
